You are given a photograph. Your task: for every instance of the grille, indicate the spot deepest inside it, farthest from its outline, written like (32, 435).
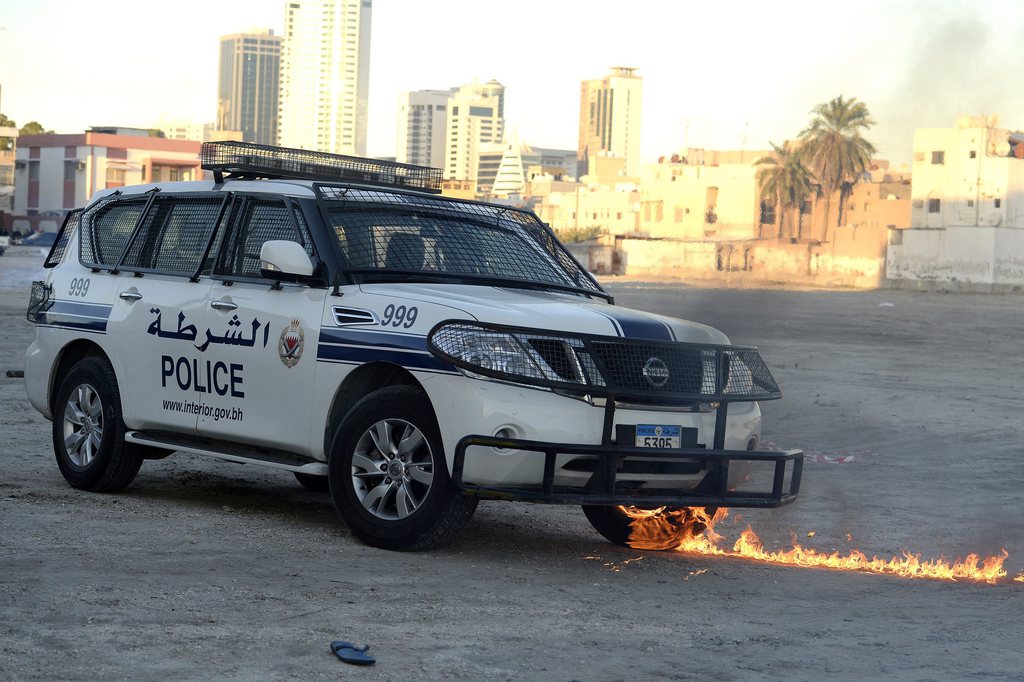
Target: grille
(689, 370)
(638, 371)
(39, 301)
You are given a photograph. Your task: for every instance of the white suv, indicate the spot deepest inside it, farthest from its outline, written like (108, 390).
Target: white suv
(337, 318)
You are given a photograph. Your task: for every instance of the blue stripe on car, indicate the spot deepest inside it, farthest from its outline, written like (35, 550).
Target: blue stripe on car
(358, 346)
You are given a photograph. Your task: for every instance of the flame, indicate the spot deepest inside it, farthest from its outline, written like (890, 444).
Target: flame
(692, 530)
(1020, 578)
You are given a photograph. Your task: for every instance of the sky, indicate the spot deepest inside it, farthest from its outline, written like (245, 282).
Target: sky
(717, 75)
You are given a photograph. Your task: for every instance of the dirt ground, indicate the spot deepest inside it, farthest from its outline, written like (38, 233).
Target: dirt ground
(208, 570)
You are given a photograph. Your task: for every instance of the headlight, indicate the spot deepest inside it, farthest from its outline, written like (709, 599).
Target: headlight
(491, 352)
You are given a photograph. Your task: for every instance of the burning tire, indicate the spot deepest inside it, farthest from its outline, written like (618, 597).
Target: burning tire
(616, 524)
(388, 475)
(88, 432)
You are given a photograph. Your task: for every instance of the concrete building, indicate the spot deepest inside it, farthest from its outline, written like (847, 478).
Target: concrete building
(967, 209)
(55, 173)
(560, 163)
(610, 119)
(325, 73)
(181, 129)
(247, 86)
(702, 194)
(8, 142)
(422, 124)
(476, 117)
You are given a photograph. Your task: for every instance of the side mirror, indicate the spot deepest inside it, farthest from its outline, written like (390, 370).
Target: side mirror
(284, 261)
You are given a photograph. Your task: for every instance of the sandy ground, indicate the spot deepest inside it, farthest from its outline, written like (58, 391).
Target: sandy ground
(208, 570)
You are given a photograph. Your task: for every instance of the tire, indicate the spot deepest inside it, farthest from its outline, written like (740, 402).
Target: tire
(614, 524)
(410, 505)
(317, 484)
(88, 430)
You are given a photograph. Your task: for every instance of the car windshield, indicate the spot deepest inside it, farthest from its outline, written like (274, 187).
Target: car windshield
(397, 237)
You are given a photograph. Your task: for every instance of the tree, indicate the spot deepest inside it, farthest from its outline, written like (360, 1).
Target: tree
(33, 128)
(836, 150)
(784, 179)
(6, 143)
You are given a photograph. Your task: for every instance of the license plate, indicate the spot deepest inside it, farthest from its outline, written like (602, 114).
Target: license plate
(658, 436)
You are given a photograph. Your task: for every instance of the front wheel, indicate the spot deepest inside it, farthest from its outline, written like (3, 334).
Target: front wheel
(88, 431)
(388, 474)
(616, 524)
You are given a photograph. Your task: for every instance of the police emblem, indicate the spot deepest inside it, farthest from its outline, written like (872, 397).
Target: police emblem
(291, 343)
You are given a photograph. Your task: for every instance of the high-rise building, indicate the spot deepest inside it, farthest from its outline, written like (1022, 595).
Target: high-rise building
(325, 75)
(247, 92)
(476, 116)
(422, 121)
(610, 119)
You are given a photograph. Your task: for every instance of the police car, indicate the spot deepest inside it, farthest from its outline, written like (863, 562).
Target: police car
(338, 318)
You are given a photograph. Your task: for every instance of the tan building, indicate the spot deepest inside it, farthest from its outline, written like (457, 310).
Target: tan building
(325, 75)
(967, 208)
(702, 194)
(55, 173)
(476, 117)
(610, 119)
(8, 141)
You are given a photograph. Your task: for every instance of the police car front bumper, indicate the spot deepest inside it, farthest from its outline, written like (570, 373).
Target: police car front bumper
(617, 475)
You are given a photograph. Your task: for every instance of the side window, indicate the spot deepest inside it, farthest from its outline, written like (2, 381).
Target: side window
(105, 230)
(174, 234)
(254, 222)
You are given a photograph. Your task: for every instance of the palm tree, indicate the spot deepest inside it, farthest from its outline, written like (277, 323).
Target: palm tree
(836, 150)
(784, 179)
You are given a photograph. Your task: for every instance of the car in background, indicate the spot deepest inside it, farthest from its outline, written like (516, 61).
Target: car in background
(40, 240)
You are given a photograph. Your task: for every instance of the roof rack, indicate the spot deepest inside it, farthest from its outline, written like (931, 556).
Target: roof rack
(250, 161)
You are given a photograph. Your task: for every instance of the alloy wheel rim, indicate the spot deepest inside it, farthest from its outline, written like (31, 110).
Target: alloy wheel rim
(392, 469)
(83, 425)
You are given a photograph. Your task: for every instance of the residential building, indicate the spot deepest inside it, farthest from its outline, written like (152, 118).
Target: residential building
(560, 163)
(702, 194)
(967, 208)
(180, 129)
(8, 141)
(55, 173)
(476, 116)
(247, 88)
(610, 119)
(422, 124)
(325, 73)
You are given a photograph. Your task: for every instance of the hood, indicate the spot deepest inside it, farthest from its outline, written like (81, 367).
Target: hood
(550, 310)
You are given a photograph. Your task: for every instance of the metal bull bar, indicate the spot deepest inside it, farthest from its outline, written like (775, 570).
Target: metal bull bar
(600, 490)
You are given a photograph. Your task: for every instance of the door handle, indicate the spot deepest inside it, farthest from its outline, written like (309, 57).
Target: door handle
(223, 305)
(130, 295)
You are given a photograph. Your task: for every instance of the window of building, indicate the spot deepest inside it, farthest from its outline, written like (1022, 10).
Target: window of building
(998, 203)
(938, 158)
(934, 205)
(974, 154)
(33, 170)
(970, 203)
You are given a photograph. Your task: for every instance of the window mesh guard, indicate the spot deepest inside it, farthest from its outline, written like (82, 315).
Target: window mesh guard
(382, 233)
(173, 235)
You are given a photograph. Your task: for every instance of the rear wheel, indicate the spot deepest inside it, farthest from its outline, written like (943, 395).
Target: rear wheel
(388, 474)
(616, 525)
(88, 431)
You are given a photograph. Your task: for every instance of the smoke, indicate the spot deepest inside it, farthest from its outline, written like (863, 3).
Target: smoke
(957, 66)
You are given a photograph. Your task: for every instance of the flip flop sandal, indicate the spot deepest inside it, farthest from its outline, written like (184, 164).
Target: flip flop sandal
(350, 653)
